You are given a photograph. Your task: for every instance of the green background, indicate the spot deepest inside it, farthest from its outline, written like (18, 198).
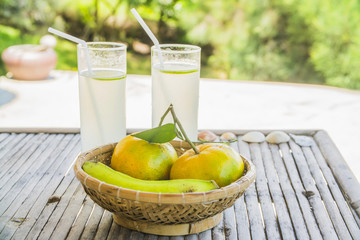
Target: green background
(307, 41)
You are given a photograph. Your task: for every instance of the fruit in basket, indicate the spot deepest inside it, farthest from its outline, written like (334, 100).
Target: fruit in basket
(215, 161)
(108, 175)
(142, 159)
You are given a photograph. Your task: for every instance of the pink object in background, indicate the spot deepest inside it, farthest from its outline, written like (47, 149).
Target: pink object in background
(30, 62)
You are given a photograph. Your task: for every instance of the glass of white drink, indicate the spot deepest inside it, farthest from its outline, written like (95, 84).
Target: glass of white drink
(102, 82)
(175, 80)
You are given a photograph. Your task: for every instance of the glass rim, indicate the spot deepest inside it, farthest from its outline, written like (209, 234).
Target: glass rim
(112, 46)
(190, 48)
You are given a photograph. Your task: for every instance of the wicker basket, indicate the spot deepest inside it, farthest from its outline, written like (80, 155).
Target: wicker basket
(160, 213)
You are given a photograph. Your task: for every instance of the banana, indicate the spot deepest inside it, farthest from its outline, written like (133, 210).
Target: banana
(108, 175)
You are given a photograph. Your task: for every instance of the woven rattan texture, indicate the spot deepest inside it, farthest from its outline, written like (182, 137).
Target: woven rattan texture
(157, 212)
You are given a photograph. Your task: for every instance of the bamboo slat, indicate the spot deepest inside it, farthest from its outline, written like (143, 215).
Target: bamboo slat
(301, 192)
(104, 226)
(83, 215)
(230, 224)
(242, 222)
(279, 201)
(3, 136)
(218, 231)
(191, 237)
(8, 144)
(10, 168)
(301, 173)
(270, 221)
(251, 200)
(52, 180)
(205, 235)
(341, 171)
(327, 197)
(92, 224)
(302, 218)
(351, 222)
(31, 190)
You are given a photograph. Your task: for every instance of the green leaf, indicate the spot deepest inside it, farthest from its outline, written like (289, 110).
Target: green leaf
(164, 133)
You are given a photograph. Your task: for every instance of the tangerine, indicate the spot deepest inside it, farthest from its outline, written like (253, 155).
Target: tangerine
(216, 161)
(143, 160)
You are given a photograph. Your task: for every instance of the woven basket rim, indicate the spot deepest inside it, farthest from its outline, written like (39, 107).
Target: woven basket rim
(161, 198)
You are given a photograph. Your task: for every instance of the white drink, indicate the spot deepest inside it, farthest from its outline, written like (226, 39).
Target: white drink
(176, 83)
(102, 107)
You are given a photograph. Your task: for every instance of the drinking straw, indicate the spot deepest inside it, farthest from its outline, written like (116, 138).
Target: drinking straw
(74, 39)
(149, 33)
(157, 45)
(84, 44)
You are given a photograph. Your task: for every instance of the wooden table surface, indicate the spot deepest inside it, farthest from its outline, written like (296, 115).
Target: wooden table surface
(300, 192)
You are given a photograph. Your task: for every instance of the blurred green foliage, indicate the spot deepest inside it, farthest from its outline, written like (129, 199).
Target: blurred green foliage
(269, 40)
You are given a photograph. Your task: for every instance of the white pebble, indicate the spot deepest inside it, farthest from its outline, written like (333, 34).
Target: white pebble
(254, 137)
(277, 137)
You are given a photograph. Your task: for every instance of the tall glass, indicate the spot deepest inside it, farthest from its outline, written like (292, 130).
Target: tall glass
(175, 80)
(102, 93)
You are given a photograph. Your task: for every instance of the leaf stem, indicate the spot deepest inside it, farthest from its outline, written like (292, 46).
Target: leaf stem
(225, 142)
(176, 121)
(164, 115)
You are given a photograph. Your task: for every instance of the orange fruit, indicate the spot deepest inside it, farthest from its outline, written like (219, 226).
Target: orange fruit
(141, 159)
(216, 161)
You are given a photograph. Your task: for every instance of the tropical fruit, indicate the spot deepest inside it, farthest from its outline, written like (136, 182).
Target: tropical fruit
(143, 160)
(215, 161)
(106, 174)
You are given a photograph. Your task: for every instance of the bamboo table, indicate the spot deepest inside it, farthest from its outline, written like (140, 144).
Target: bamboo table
(303, 190)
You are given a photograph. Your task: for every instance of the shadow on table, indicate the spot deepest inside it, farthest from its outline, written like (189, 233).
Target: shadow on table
(6, 96)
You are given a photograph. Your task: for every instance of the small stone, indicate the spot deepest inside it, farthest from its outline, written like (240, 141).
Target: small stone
(277, 137)
(254, 137)
(228, 136)
(207, 136)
